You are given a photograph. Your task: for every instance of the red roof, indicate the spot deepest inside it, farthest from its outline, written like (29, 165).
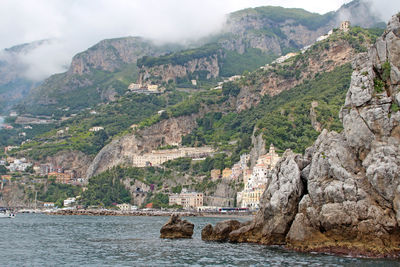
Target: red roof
(149, 206)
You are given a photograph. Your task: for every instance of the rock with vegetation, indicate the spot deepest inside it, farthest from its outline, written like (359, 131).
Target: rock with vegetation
(343, 195)
(177, 228)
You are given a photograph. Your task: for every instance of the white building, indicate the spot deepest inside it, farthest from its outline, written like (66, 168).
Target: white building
(69, 201)
(96, 129)
(255, 180)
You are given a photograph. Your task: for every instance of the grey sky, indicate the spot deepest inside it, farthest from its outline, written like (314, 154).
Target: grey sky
(79, 24)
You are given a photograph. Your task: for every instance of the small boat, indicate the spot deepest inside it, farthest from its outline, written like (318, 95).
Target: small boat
(6, 213)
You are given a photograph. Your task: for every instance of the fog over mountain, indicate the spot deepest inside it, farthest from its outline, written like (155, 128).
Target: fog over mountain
(73, 26)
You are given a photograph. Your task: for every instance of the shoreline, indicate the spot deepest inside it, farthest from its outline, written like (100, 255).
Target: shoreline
(146, 213)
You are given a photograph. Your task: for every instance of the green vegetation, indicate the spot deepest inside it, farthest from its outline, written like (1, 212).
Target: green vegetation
(180, 58)
(115, 118)
(105, 189)
(234, 63)
(312, 21)
(56, 193)
(283, 120)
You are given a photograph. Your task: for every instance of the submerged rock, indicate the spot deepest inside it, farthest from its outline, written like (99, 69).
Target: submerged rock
(177, 228)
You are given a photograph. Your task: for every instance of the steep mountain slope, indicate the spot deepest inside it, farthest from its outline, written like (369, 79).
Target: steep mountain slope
(342, 196)
(96, 75)
(261, 34)
(252, 38)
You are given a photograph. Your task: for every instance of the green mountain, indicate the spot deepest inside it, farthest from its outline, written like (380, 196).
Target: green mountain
(100, 74)
(251, 38)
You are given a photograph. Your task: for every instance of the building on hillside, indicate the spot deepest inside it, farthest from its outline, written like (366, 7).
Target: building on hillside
(46, 169)
(152, 88)
(69, 201)
(345, 26)
(158, 157)
(215, 174)
(96, 129)
(226, 173)
(255, 180)
(48, 204)
(135, 86)
(125, 207)
(188, 200)
(270, 159)
(194, 82)
(61, 178)
(251, 198)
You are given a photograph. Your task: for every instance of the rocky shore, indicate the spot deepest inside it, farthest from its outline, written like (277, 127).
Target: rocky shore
(343, 195)
(99, 212)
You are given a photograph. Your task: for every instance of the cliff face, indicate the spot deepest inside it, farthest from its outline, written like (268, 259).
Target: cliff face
(71, 160)
(164, 73)
(343, 195)
(110, 55)
(95, 75)
(271, 82)
(121, 151)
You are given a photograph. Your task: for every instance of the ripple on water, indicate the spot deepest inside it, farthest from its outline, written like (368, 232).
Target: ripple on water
(40, 240)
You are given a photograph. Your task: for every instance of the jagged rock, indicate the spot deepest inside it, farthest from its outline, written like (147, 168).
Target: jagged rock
(177, 228)
(278, 205)
(351, 203)
(221, 230)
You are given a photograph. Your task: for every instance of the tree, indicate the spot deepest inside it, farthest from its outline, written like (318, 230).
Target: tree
(3, 169)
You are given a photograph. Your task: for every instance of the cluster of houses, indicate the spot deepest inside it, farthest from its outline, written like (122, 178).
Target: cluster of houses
(230, 79)
(344, 27)
(255, 180)
(145, 88)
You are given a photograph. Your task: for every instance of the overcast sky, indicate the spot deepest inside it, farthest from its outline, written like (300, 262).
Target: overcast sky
(79, 24)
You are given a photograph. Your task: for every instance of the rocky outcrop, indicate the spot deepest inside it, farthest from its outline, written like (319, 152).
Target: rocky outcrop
(111, 54)
(221, 230)
(317, 59)
(198, 68)
(278, 205)
(342, 196)
(177, 228)
(71, 160)
(122, 150)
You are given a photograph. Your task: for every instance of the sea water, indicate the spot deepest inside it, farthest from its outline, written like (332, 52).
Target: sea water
(50, 240)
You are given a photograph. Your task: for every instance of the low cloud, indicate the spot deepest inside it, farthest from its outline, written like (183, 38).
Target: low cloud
(75, 25)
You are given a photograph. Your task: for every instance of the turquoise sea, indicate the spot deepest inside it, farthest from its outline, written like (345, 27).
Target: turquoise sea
(44, 240)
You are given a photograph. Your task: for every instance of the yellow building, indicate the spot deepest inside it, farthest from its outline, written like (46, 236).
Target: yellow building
(215, 174)
(152, 87)
(226, 173)
(345, 26)
(125, 207)
(251, 199)
(188, 200)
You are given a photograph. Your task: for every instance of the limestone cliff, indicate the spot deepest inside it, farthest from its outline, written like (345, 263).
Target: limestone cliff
(205, 68)
(322, 57)
(71, 160)
(122, 150)
(343, 195)
(110, 55)
(91, 77)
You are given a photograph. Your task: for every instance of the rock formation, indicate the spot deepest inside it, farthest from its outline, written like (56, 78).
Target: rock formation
(343, 195)
(122, 150)
(177, 228)
(221, 230)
